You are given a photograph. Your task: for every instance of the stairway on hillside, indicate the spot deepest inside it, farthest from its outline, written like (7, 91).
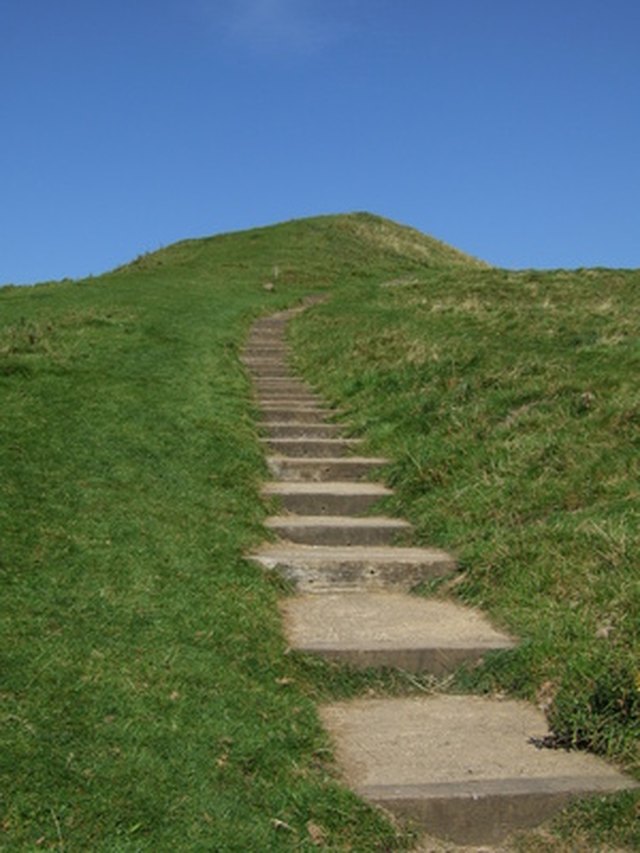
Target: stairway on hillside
(464, 767)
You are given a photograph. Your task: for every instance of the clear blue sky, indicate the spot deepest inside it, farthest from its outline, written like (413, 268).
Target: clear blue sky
(508, 128)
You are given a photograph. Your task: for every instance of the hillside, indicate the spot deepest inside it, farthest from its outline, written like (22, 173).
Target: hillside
(147, 698)
(312, 249)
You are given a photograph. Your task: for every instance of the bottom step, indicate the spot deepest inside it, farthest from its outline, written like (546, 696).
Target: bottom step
(462, 766)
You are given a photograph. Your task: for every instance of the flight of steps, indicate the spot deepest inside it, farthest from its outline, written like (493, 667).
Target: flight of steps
(462, 766)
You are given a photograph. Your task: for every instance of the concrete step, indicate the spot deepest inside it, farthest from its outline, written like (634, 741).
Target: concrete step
(270, 404)
(279, 398)
(294, 430)
(295, 379)
(266, 350)
(299, 392)
(322, 469)
(258, 359)
(272, 321)
(330, 498)
(281, 385)
(283, 392)
(312, 447)
(259, 373)
(338, 530)
(299, 401)
(464, 767)
(258, 365)
(278, 357)
(319, 469)
(321, 569)
(295, 414)
(390, 629)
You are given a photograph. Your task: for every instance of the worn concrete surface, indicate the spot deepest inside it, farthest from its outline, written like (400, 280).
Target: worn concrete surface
(320, 569)
(295, 430)
(318, 469)
(321, 447)
(463, 766)
(338, 530)
(326, 498)
(390, 629)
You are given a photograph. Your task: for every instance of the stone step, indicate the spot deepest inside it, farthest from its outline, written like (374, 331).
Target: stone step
(259, 373)
(281, 384)
(263, 359)
(318, 405)
(266, 350)
(295, 414)
(270, 404)
(277, 357)
(274, 323)
(266, 337)
(321, 569)
(252, 359)
(285, 392)
(266, 347)
(280, 319)
(259, 364)
(271, 322)
(319, 469)
(316, 447)
(390, 629)
(338, 530)
(464, 767)
(329, 498)
(294, 430)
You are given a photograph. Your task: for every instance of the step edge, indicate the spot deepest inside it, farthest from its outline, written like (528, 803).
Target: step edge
(282, 553)
(346, 646)
(292, 487)
(515, 786)
(339, 520)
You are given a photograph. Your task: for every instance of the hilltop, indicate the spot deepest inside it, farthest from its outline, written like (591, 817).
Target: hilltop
(343, 241)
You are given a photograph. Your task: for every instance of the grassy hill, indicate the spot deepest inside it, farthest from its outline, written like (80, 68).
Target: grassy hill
(147, 700)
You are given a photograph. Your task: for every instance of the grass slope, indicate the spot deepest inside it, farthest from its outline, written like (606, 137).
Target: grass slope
(509, 403)
(146, 697)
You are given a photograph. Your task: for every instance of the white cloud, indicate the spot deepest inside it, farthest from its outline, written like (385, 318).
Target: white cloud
(292, 26)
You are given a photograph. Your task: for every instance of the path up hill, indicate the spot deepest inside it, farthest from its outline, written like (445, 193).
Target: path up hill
(145, 689)
(145, 684)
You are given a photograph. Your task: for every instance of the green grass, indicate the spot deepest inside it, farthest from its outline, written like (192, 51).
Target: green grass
(147, 701)
(510, 405)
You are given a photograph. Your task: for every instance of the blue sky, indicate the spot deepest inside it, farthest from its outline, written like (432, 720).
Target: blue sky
(508, 128)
